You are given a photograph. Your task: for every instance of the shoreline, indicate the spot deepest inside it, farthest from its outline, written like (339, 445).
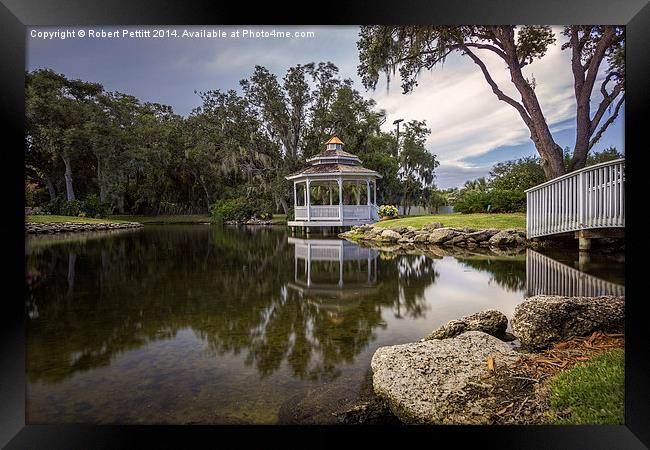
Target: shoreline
(75, 227)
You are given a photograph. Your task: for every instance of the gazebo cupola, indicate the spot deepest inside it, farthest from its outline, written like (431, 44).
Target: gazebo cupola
(334, 190)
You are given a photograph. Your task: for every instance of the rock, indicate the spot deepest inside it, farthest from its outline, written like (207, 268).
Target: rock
(428, 382)
(370, 412)
(482, 235)
(440, 235)
(507, 237)
(421, 238)
(541, 320)
(390, 235)
(432, 226)
(490, 321)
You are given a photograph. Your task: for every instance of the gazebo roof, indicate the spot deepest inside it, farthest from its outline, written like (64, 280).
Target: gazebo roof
(334, 140)
(333, 153)
(334, 161)
(334, 168)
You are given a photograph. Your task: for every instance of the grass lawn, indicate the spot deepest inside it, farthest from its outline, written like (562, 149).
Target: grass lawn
(58, 219)
(501, 221)
(590, 393)
(193, 218)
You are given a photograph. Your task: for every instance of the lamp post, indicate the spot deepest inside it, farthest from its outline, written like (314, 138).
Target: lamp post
(396, 122)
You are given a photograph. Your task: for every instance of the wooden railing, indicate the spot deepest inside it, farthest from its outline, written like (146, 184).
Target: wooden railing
(332, 212)
(593, 197)
(546, 276)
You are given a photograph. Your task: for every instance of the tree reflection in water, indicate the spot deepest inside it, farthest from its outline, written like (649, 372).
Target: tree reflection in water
(91, 299)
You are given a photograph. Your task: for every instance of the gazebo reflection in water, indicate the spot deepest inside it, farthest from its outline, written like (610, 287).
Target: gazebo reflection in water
(333, 267)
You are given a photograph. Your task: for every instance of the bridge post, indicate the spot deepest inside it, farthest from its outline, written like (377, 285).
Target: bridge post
(582, 194)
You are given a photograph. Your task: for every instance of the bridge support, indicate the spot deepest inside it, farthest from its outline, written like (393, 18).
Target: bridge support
(585, 236)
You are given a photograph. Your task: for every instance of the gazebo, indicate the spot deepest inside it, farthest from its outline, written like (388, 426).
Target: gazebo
(334, 190)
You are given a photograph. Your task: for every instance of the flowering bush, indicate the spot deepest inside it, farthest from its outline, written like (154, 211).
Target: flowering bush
(387, 211)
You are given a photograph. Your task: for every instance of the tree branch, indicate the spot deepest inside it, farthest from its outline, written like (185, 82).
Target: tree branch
(608, 98)
(492, 48)
(596, 59)
(607, 123)
(498, 92)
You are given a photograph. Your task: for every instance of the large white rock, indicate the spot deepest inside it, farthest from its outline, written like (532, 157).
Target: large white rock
(428, 382)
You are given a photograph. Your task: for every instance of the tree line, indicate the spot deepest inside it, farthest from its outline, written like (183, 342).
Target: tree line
(97, 152)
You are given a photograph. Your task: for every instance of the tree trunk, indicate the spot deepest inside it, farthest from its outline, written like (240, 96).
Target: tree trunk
(101, 183)
(69, 189)
(285, 207)
(207, 194)
(50, 187)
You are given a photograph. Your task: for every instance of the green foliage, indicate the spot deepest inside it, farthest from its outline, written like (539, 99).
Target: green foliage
(608, 154)
(93, 208)
(291, 214)
(434, 199)
(590, 393)
(517, 175)
(89, 207)
(498, 201)
(388, 211)
(34, 195)
(240, 209)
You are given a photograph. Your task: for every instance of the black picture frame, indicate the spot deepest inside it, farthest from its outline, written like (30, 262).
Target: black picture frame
(16, 15)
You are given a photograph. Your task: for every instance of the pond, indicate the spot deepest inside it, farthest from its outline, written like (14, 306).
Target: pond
(185, 324)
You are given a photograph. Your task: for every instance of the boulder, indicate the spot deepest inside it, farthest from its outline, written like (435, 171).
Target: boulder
(390, 235)
(507, 238)
(482, 235)
(429, 382)
(490, 321)
(440, 235)
(368, 412)
(421, 238)
(542, 320)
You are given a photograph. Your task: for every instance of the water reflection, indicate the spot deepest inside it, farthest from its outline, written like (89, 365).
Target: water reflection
(183, 318)
(547, 276)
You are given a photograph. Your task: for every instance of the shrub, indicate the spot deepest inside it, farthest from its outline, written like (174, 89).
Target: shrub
(90, 207)
(291, 214)
(387, 212)
(499, 201)
(237, 209)
(93, 208)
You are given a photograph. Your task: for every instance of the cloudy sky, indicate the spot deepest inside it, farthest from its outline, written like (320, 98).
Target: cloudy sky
(471, 129)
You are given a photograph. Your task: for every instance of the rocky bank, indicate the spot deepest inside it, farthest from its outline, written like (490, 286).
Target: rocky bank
(72, 227)
(435, 234)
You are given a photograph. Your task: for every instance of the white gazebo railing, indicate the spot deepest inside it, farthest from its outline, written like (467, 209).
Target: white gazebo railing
(593, 197)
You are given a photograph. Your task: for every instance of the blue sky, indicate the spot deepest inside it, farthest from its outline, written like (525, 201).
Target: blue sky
(471, 129)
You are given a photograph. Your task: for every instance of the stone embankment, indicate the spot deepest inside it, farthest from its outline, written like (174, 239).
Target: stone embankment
(445, 378)
(435, 234)
(73, 227)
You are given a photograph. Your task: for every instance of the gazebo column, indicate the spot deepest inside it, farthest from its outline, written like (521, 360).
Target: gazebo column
(295, 196)
(308, 199)
(368, 198)
(340, 182)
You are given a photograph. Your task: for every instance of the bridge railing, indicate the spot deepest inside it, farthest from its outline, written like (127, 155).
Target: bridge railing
(593, 197)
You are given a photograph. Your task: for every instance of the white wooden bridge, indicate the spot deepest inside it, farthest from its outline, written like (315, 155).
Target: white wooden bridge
(592, 198)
